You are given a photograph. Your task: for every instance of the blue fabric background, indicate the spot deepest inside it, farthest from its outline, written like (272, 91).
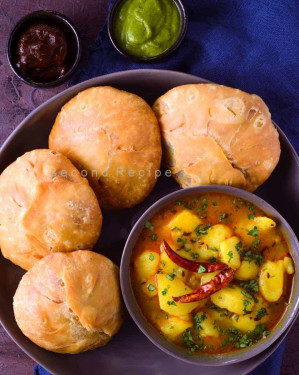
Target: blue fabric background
(249, 44)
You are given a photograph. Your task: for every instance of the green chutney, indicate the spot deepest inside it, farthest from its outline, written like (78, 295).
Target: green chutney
(146, 28)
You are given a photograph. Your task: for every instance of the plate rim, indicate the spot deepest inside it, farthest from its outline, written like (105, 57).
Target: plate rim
(89, 83)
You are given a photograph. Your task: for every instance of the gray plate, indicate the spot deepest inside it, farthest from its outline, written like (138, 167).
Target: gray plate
(130, 352)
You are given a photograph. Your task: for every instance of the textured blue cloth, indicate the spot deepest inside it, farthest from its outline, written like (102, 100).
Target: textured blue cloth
(252, 45)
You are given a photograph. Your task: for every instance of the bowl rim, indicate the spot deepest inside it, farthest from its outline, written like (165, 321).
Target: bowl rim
(34, 16)
(153, 335)
(144, 59)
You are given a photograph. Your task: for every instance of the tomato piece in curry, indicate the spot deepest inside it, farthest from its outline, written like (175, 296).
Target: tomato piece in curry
(210, 228)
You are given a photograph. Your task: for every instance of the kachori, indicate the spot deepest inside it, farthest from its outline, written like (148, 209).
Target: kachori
(114, 137)
(79, 306)
(45, 206)
(214, 134)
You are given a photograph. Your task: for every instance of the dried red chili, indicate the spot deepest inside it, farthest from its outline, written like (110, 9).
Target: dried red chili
(218, 282)
(191, 265)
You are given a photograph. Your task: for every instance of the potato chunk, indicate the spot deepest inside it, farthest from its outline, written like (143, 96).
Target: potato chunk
(205, 253)
(206, 277)
(244, 322)
(248, 270)
(217, 234)
(185, 222)
(276, 252)
(173, 326)
(258, 232)
(288, 264)
(233, 300)
(271, 280)
(168, 266)
(248, 322)
(228, 252)
(149, 287)
(264, 223)
(146, 265)
(167, 289)
(207, 328)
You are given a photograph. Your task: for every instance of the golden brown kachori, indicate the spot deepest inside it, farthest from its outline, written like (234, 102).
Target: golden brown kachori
(79, 306)
(45, 206)
(214, 134)
(114, 137)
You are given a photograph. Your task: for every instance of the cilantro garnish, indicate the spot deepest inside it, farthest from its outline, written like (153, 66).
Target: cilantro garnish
(201, 269)
(149, 225)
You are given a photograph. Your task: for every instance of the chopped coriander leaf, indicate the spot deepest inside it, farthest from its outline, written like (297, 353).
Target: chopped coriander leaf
(216, 308)
(234, 201)
(175, 228)
(251, 216)
(238, 246)
(179, 203)
(246, 303)
(151, 257)
(234, 331)
(201, 269)
(253, 256)
(213, 249)
(187, 247)
(230, 256)
(154, 237)
(163, 263)
(171, 303)
(164, 291)
(194, 255)
(254, 232)
(189, 341)
(213, 259)
(169, 277)
(222, 216)
(198, 319)
(202, 229)
(224, 342)
(151, 287)
(179, 240)
(260, 314)
(247, 295)
(245, 341)
(255, 244)
(214, 203)
(251, 286)
(149, 225)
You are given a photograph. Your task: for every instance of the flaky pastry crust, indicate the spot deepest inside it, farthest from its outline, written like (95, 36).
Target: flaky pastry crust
(70, 302)
(114, 136)
(214, 134)
(45, 206)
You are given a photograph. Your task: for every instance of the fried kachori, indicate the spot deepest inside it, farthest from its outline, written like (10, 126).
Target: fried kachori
(79, 306)
(45, 206)
(214, 134)
(114, 137)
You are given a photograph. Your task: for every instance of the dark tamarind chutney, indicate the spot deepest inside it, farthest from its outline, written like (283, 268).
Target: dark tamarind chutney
(42, 52)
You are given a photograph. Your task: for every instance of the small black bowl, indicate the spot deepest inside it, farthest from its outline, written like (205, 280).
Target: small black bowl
(184, 22)
(56, 19)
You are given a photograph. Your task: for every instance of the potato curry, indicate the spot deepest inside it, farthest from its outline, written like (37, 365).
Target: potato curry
(212, 273)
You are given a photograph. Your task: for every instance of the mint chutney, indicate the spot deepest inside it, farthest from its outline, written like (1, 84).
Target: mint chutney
(146, 28)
